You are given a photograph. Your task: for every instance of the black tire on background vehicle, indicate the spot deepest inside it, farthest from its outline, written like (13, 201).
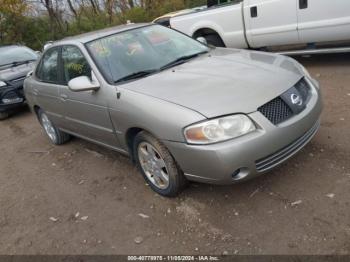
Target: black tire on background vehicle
(215, 40)
(157, 165)
(4, 115)
(55, 135)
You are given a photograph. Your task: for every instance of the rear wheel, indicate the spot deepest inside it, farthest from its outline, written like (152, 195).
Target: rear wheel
(55, 135)
(4, 115)
(157, 166)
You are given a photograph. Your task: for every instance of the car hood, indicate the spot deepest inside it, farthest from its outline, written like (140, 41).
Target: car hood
(225, 81)
(17, 72)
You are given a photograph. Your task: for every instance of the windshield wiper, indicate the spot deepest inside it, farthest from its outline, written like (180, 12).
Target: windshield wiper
(145, 73)
(17, 63)
(136, 75)
(181, 60)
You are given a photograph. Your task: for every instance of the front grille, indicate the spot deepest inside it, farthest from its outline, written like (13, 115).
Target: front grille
(10, 95)
(271, 161)
(280, 109)
(277, 111)
(304, 89)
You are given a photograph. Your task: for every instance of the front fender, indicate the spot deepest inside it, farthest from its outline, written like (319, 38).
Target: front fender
(164, 120)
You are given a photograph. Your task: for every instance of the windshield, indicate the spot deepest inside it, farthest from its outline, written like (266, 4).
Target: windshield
(11, 54)
(145, 49)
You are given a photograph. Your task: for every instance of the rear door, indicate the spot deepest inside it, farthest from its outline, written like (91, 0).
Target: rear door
(271, 22)
(46, 85)
(323, 20)
(86, 112)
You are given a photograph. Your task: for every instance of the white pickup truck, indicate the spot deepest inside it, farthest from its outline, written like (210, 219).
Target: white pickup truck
(267, 23)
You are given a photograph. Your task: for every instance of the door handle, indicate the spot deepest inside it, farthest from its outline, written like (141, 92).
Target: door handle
(63, 97)
(303, 4)
(254, 11)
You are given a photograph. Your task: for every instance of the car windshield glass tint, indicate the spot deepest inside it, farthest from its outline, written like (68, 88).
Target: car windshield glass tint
(12, 54)
(143, 49)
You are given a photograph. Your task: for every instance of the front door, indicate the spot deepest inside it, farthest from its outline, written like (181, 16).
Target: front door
(271, 22)
(323, 20)
(86, 112)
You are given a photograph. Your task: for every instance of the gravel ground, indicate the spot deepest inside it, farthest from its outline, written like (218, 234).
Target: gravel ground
(84, 199)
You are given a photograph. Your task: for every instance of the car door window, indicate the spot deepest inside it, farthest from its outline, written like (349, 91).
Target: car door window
(48, 69)
(74, 63)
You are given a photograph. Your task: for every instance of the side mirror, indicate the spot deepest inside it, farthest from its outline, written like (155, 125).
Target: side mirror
(83, 83)
(202, 40)
(30, 73)
(47, 45)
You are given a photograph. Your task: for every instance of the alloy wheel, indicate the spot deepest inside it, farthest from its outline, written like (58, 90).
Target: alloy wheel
(48, 127)
(153, 165)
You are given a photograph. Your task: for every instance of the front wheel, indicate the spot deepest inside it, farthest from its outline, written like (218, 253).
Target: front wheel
(157, 166)
(55, 135)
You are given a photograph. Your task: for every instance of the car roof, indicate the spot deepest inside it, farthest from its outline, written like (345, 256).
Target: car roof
(87, 37)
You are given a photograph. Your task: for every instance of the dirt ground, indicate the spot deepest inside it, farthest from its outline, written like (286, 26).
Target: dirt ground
(84, 199)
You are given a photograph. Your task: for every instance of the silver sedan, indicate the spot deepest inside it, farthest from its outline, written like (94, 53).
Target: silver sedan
(180, 109)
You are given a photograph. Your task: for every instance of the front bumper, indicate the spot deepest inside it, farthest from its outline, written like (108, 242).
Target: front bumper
(11, 98)
(251, 155)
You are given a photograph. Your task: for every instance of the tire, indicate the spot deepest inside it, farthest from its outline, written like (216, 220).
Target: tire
(56, 136)
(176, 179)
(4, 115)
(215, 40)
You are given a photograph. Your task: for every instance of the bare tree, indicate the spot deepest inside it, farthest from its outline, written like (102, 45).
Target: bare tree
(109, 6)
(55, 15)
(95, 6)
(72, 9)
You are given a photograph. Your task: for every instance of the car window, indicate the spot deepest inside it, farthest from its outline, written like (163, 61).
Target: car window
(48, 69)
(74, 63)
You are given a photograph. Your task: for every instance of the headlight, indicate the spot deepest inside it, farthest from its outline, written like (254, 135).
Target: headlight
(2, 84)
(220, 129)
